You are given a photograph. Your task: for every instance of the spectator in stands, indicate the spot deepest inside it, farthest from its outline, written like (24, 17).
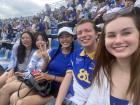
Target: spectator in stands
(35, 64)
(10, 34)
(19, 60)
(37, 58)
(117, 70)
(3, 34)
(56, 69)
(137, 6)
(76, 85)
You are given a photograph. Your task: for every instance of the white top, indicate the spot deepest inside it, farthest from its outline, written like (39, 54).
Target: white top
(100, 95)
(80, 94)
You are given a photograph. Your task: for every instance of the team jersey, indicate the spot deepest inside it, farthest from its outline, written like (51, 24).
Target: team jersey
(82, 67)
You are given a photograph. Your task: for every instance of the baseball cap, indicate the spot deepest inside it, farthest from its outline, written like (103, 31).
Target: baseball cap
(65, 29)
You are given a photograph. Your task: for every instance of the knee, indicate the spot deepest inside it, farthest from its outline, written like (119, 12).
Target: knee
(21, 102)
(13, 98)
(5, 89)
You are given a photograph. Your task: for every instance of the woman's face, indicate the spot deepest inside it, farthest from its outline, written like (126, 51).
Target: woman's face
(65, 40)
(121, 37)
(26, 40)
(39, 41)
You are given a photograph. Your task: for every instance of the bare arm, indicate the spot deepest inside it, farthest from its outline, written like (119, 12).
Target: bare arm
(40, 76)
(64, 88)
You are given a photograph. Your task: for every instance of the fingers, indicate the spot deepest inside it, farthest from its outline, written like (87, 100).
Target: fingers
(19, 74)
(39, 77)
(10, 73)
(42, 46)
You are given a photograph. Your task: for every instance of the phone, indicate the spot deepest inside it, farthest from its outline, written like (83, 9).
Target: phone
(35, 72)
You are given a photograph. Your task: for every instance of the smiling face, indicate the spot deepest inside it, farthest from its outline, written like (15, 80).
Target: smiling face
(26, 40)
(86, 35)
(121, 37)
(39, 41)
(65, 40)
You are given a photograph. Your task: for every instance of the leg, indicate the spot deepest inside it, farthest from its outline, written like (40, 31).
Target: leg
(3, 79)
(7, 90)
(14, 97)
(33, 100)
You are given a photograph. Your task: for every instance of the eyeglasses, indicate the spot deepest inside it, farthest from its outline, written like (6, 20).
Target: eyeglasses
(124, 11)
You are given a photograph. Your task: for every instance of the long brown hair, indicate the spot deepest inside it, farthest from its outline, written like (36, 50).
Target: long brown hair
(104, 60)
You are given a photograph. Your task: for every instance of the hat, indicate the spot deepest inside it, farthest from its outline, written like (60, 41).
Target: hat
(65, 29)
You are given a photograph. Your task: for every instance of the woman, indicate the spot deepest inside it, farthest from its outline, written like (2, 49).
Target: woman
(56, 69)
(20, 58)
(37, 59)
(118, 58)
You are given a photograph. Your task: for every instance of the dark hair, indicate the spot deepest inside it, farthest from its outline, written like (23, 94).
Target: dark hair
(104, 60)
(21, 50)
(44, 36)
(87, 21)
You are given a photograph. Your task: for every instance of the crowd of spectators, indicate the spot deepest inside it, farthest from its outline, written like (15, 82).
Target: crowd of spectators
(69, 14)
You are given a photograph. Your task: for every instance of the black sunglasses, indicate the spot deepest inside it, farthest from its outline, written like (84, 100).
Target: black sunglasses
(124, 11)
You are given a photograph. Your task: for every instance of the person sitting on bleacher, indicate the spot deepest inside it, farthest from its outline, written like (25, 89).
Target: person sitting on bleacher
(37, 60)
(55, 70)
(20, 58)
(77, 82)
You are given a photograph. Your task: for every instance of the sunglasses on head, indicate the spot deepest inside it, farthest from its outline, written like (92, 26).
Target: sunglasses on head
(124, 11)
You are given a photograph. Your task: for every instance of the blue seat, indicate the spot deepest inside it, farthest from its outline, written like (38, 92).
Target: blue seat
(54, 43)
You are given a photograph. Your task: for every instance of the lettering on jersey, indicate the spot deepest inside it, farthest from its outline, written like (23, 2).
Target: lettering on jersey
(78, 60)
(83, 75)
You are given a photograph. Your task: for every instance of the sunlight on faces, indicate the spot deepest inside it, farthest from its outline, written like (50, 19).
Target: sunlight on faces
(86, 34)
(122, 37)
(26, 40)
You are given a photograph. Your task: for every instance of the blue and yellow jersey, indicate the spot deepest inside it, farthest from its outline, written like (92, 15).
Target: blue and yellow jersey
(82, 66)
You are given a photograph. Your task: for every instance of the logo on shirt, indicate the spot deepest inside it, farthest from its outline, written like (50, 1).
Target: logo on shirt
(84, 76)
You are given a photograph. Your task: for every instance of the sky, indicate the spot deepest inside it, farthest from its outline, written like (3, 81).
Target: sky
(17, 8)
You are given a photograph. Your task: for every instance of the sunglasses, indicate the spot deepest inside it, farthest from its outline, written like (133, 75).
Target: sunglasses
(124, 11)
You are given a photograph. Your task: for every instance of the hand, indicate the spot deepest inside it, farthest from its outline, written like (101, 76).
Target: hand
(43, 50)
(20, 74)
(11, 73)
(42, 76)
(10, 79)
